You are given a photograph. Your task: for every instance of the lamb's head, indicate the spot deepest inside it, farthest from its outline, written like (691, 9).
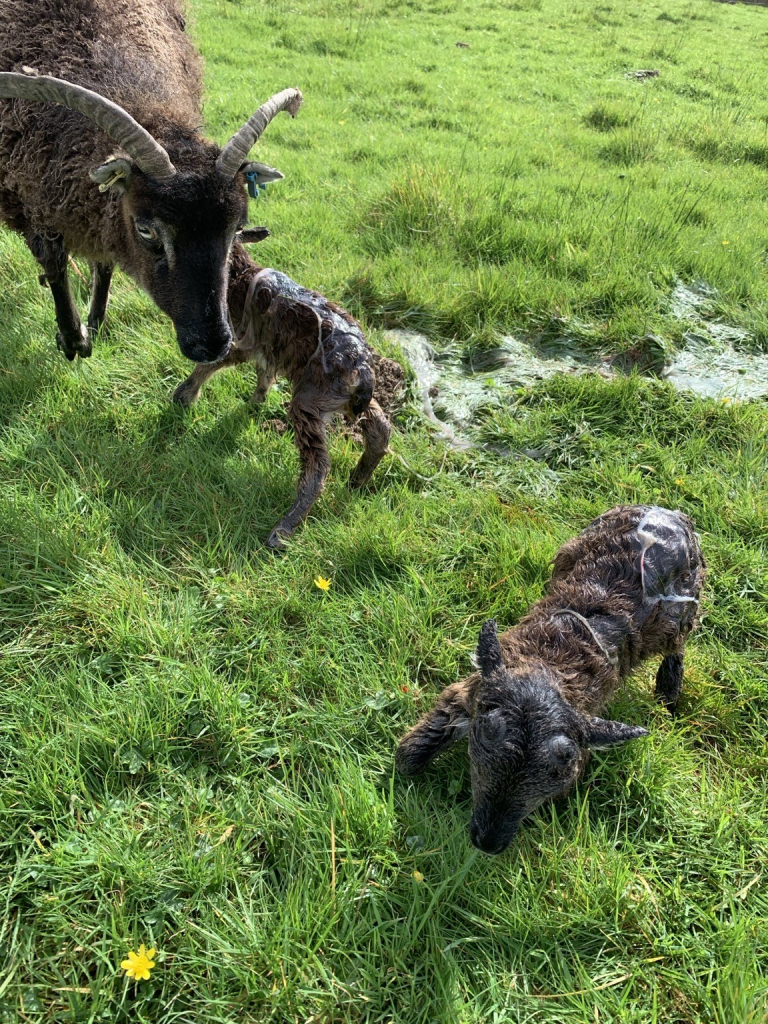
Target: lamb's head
(178, 221)
(526, 744)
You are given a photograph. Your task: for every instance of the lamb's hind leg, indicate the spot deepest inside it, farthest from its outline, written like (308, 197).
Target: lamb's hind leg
(310, 436)
(188, 391)
(72, 338)
(669, 681)
(376, 432)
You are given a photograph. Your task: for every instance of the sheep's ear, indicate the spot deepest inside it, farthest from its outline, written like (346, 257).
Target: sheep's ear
(115, 173)
(602, 733)
(250, 235)
(262, 174)
(489, 657)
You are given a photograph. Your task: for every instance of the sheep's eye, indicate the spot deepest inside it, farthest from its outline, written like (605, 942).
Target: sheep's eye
(147, 232)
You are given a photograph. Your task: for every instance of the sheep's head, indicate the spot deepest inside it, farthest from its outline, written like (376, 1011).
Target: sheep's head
(179, 222)
(176, 240)
(526, 744)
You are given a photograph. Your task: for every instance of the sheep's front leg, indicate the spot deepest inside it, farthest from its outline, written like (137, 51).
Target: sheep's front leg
(440, 728)
(310, 436)
(71, 338)
(101, 279)
(188, 391)
(669, 681)
(376, 431)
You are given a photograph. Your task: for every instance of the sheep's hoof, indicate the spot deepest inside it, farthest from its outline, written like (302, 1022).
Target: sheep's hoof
(186, 394)
(79, 346)
(94, 327)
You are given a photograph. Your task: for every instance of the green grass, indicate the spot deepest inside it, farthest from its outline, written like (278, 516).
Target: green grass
(196, 745)
(524, 179)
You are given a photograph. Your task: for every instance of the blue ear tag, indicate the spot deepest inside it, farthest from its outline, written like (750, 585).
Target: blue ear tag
(254, 185)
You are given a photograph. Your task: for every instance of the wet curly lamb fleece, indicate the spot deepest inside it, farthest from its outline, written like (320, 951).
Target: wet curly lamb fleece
(624, 589)
(290, 331)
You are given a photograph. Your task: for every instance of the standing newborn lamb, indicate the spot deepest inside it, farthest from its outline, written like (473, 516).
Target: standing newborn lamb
(624, 589)
(289, 331)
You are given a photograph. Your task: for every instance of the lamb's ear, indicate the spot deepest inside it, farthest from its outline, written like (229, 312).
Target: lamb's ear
(262, 174)
(115, 173)
(489, 656)
(602, 733)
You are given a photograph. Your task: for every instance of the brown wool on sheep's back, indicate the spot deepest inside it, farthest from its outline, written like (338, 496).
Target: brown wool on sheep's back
(145, 190)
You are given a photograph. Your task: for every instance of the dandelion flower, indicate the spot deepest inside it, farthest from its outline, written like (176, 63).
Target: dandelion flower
(322, 583)
(726, 243)
(679, 481)
(138, 965)
(418, 876)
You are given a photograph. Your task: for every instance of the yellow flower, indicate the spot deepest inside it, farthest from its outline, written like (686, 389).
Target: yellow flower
(418, 876)
(679, 481)
(322, 583)
(138, 965)
(726, 243)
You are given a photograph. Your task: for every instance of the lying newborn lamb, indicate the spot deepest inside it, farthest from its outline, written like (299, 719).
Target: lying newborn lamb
(289, 331)
(625, 588)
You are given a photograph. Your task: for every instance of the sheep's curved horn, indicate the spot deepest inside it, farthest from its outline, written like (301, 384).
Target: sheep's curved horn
(117, 123)
(234, 154)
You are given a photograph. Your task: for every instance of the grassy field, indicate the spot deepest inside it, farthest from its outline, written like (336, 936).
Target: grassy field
(196, 744)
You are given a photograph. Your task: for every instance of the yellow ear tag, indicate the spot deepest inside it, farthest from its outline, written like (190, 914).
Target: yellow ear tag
(110, 181)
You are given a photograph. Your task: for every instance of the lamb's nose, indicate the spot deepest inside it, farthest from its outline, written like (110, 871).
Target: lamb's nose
(486, 842)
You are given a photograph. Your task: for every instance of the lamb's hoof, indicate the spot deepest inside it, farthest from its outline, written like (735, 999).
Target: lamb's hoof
(670, 705)
(186, 394)
(407, 761)
(71, 347)
(278, 539)
(359, 479)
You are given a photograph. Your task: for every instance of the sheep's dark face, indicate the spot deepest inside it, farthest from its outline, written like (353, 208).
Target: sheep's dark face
(526, 745)
(180, 236)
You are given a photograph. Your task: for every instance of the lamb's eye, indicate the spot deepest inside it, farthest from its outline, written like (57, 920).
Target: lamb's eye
(147, 232)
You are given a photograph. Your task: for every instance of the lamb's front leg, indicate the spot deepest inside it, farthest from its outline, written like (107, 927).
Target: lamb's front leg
(188, 391)
(440, 728)
(266, 380)
(310, 435)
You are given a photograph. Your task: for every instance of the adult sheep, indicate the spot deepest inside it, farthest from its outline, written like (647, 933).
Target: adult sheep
(109, 162)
